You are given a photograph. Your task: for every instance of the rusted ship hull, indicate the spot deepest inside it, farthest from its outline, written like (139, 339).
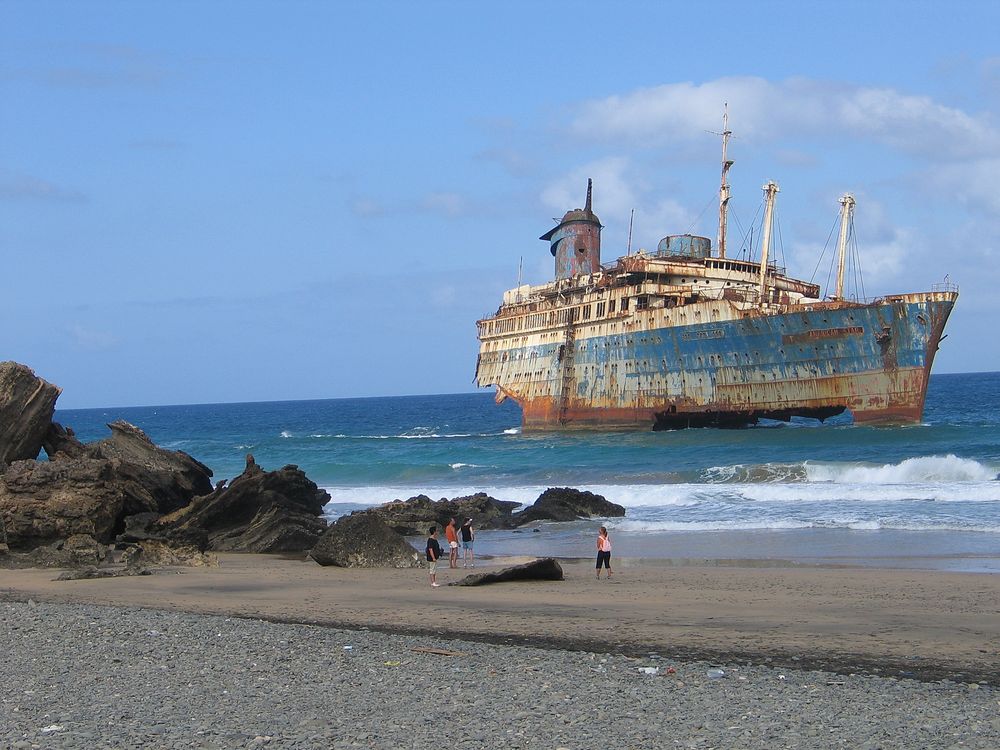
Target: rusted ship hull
(654, 369)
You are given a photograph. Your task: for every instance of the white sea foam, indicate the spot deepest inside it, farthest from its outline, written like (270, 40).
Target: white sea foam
(949, 468)
(286, 434)
(763, 524)
(458, 466)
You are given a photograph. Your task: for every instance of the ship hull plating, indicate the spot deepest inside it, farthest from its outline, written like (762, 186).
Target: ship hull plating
(656, 369)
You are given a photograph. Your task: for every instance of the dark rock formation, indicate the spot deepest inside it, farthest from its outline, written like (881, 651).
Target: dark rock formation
(544, 569)
(42, 502)
(77, 550)
(414, 516)
(567, 504)
(61, 443)
(26, 406)
(169, 478)
(260, 511)
(363, 540)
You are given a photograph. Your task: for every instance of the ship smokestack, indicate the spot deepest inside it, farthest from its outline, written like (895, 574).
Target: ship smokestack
(576, 241)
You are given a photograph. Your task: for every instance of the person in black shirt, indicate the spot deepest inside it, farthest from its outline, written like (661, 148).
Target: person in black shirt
(468, 537)
(433, 553)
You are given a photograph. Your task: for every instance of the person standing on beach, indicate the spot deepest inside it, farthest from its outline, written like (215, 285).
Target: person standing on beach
(433, 554)
(452, 536)
(468, 537)
(603, 552)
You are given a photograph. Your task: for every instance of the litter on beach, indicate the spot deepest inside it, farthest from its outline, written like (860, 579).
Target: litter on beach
(438, 651)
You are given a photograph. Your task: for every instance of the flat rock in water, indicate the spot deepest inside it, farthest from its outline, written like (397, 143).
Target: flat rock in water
(544, 569)
(568, 504)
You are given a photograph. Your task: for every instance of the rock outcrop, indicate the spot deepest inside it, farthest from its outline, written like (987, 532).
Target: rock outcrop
(27, 404)
(414, 516)
(259, 511)
(170, 479)
(544, 569)
(75, 551)
(567, 504)
(42, 502)
(90, 489)
(364, 540)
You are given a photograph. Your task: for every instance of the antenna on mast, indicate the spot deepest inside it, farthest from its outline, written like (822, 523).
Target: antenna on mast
(520, 261)
(724, 187)
(628, 247)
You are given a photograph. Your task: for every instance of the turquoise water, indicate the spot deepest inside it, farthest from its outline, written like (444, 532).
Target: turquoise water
(920, 496)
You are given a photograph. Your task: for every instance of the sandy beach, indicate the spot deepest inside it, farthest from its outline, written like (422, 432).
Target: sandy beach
(928, 625)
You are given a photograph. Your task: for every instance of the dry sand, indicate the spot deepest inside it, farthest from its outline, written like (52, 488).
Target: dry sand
(929, 625)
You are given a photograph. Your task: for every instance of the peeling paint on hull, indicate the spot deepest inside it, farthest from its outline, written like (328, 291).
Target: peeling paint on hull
(655, 369)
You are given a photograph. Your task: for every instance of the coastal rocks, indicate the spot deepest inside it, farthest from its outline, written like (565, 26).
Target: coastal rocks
(170, 478)
(76, 551)
(26, 406)
(259, 511)
(544, 569)
(414, 516)
(364, 540)
(42, 502)
(139, 556)
(568, 504)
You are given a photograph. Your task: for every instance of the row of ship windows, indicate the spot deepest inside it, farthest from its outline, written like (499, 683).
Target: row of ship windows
(711, 360)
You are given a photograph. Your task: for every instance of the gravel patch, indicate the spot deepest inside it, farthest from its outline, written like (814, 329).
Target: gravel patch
(83, 676)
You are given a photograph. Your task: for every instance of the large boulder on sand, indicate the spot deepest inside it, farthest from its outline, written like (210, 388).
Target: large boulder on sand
(27, 404)
(544, 569)
(363, 540)
(567, 504)
(416, 515)
(260, 511)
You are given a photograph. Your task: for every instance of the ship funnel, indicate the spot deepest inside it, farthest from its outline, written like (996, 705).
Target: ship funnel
(576, 241)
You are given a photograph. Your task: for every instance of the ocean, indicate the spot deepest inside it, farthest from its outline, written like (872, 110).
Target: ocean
(924, 496)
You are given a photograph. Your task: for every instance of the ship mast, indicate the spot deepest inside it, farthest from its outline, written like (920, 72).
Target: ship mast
(770, 191)
(724, 187)
(846, 212)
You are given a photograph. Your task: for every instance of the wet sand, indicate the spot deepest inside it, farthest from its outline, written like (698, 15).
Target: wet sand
(924, 624)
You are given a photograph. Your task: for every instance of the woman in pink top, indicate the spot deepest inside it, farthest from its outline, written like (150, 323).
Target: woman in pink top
(603, 552)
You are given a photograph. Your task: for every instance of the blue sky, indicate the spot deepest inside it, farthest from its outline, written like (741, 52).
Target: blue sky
(237, 201)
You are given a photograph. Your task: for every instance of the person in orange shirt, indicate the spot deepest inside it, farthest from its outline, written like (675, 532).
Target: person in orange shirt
(451, 535)
(603, 552)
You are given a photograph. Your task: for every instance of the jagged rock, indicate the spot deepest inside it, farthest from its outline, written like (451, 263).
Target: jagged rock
(154, 553)
(60, 443)
(567, 504)
(139, 527)
(26, 406)
(42, 502)
(78, 550)
(260, 511)
(544, 569)
(363, 540)
(414, 516)
(170, 478)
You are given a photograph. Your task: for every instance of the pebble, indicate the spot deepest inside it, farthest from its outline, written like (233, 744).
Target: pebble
(114, 677)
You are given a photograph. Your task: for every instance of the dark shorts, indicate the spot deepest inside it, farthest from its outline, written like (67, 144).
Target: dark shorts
(605, 559)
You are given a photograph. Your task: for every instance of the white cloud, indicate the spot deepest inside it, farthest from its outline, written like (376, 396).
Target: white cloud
(87, 339)
(792, 108)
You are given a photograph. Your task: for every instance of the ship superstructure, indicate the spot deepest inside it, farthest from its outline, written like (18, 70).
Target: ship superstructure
(683, 337)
